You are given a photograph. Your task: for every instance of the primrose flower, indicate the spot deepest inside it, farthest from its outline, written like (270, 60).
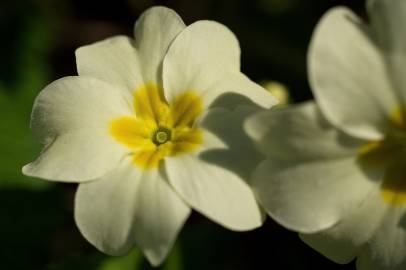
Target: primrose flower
(137, 128)
(279, 91)
(336, 169)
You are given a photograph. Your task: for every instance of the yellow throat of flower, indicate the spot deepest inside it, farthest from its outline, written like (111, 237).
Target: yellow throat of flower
(390, 155)
(158, 129)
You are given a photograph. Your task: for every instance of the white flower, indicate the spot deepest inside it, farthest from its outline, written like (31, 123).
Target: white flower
(279, 91)
(137, 128)
(336, 171)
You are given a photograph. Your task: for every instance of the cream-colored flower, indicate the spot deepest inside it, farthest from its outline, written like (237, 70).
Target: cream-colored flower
(136, 129)
(336, 171)
(279, 91)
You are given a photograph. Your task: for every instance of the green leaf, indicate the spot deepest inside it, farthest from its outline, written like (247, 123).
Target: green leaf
(174, 261)
(131, 261)
(17, 144)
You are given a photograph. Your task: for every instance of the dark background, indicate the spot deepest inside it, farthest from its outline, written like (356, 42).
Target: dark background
(37, 43)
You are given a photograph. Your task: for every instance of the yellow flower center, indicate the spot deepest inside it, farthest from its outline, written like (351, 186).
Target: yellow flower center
(162, 135)
(159, 129)
(390, 155)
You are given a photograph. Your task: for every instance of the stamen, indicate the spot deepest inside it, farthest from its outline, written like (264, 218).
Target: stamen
(161, 135)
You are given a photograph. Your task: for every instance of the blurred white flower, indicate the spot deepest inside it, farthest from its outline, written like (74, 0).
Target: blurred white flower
(279, 91)
(336, 171)
(135, 128)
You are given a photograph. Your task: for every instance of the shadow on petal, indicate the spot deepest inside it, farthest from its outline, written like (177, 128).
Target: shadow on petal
(226, 120)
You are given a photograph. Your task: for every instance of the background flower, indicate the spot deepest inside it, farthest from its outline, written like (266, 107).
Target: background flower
(336, 168)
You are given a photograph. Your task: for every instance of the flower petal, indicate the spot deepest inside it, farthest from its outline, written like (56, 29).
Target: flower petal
(71, 117)
(154, 31)
(150, 105)
(113, 60)
(199, 56)
(343, 242)
(387, 19)
(240, 155)
(236, 89)
(292, 192)
(387, 248)
(301, 132)
(348, 76)
(130, 206)
(311, 162)
(76, 157)
(73, 103)
(205, 57)
(131, 132)
(212, 182)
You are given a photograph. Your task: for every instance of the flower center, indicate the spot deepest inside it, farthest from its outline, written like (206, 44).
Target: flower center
(161, 135)
(159, 129)
(389, 155)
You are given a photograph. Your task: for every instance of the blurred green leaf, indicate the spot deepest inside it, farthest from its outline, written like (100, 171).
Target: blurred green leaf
(17, 144)
(131, 261)
(174, 261)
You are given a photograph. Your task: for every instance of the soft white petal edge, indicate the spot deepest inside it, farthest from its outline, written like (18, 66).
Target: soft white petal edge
(387, 19)
(71, 117)
(344, 241)
(200, 55)
(387, 248)
(128, 207)
(308, 162)
(348, 76)
(77, 157)
(236, 89)
(113, 60)
(292, 131)
(154, 31)
(213, 190)
(310, 196)
(205, 57)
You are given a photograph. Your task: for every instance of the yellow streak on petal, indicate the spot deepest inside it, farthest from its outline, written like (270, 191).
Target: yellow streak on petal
(186, 108)
(186, 140)
(153, 113)
(385, 155)
(152, 157)
(150, 104)
(131, 132)
(393, 188)
(398, 117)
(389, 155)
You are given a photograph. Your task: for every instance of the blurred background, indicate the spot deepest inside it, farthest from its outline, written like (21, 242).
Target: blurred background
(37, 41)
